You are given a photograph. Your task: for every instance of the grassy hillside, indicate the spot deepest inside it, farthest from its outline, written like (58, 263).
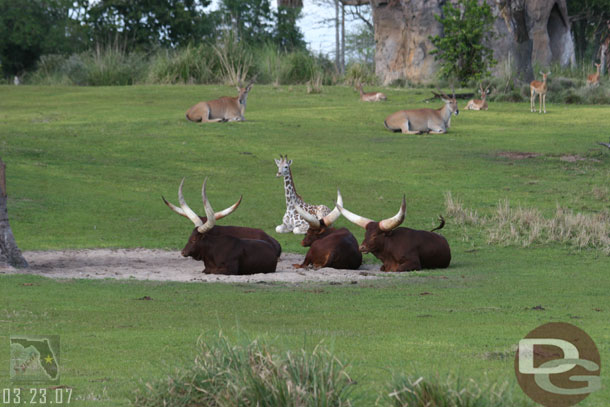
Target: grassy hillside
(86, 167)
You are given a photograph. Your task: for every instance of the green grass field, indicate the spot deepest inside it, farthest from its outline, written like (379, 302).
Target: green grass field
(86, 168)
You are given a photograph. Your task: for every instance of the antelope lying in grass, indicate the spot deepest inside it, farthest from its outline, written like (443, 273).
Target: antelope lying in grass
(424, 120)
(538, 88)
(479, 104)
(593, 79)
(370, 96)
(225, 109)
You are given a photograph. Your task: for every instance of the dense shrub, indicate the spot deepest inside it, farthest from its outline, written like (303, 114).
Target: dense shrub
(225, 62)
(191, 64)
(360, 73)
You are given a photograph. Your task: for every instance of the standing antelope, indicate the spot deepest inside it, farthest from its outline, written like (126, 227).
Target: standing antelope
(225, 109)
(593, 79)
(537, 87)
(479, 104)
(424, 120)
(370, 96)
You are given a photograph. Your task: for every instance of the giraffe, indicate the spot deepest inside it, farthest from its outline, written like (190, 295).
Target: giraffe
(292, 221)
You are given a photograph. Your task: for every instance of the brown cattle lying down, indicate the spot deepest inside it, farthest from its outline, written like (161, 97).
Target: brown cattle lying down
(222, 250)
(225, 109)
(329, 247)
(401, 249)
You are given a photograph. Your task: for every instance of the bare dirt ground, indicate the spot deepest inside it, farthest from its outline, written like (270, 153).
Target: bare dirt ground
(164, 265)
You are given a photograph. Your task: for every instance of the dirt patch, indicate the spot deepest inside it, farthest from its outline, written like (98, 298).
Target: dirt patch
(572, 158)
(517, 155)
(164, 265)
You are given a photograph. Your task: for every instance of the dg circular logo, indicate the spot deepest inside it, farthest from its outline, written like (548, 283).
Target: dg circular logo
(558, 365)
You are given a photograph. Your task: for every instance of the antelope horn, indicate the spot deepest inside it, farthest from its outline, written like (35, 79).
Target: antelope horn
(188, 212)
(314, 222)
(352, 217)
(209, 212)
(335, 213)
(388, 224)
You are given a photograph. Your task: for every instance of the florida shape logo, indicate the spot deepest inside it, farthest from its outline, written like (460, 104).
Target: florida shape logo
(558, 365)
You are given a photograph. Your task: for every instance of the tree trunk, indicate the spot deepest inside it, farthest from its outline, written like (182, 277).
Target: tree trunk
(342, 38)
(337, 43)
(9, 252)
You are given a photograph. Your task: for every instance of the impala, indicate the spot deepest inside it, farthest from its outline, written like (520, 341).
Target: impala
(479, 104)
(539, 88)
(424, 120)
(225, 109)
(370, 96)
(593, 79)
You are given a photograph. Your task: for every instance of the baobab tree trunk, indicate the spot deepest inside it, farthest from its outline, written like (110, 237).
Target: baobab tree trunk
(9, 252)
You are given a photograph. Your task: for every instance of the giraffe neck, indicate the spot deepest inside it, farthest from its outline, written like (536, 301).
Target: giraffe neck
(290, 191)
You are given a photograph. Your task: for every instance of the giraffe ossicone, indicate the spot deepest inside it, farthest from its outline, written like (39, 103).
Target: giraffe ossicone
(292, 221)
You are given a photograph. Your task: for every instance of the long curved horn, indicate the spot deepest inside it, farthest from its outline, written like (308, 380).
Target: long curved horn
(217, 215)
(352, 217)
(209, 212)
(309, 218)
(188, 212)
(335, 213)
(229, 210)
(388, 224)
(174, 207)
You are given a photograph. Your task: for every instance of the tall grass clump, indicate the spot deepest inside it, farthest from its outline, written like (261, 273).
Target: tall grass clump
(191, 64)
(270, 63)
(405, 391)
(528, 226)
(108, 66)
(252, 374)
(235, 60)
(360, 73)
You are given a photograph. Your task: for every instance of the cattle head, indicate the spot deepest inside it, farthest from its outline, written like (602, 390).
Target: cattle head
(376, 232)
(283, 166)
(202, 225)
(319, 228)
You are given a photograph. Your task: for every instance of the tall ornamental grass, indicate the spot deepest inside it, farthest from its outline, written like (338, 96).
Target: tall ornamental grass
(252, 374)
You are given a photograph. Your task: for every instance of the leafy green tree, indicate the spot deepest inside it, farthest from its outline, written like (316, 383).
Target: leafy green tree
(461, 49)
(29, 29)
(141, 24)
(287, 34)
(249, 20)
(589, 20)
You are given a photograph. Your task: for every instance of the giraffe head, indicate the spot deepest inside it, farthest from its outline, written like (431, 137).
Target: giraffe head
(283, 166)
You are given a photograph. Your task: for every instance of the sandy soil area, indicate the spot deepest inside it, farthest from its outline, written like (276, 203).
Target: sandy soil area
(163, 265)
